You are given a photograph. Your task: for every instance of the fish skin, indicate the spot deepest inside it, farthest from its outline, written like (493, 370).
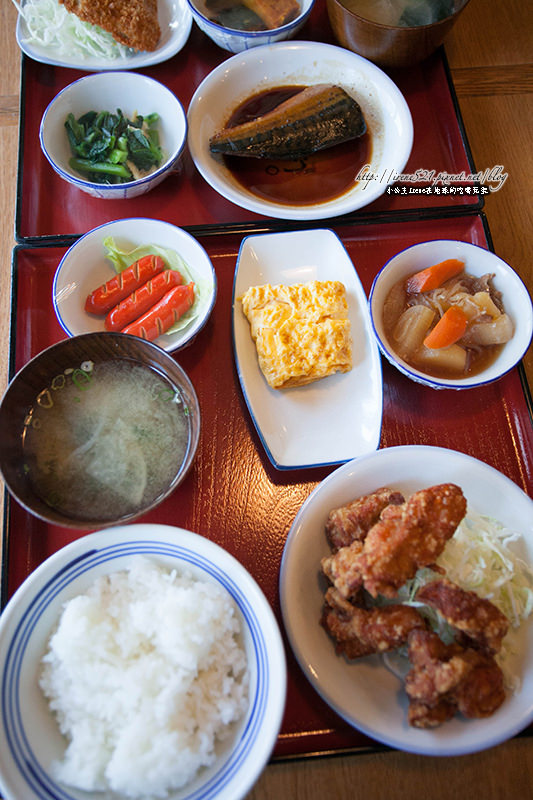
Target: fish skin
(315, 118)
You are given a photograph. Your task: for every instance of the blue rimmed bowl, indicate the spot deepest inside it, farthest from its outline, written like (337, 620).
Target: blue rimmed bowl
(478, 261)
(108, 91)
(29, 737)
(236, 40)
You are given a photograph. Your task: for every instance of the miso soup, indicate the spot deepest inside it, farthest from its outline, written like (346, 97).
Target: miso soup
(105, 440)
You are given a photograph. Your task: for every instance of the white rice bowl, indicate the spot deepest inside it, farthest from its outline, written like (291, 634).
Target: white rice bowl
(145, 673)
(183, 700)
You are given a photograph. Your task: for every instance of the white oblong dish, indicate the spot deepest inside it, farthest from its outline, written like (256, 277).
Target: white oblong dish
(329, 421)
(29, 736)
(175, 20)
(84, 267)
(364, 692)
(301, 63)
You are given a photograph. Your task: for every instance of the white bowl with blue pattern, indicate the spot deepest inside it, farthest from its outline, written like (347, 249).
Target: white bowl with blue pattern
(107, 91)
(478, 261)
(236, 41)
(29, 737)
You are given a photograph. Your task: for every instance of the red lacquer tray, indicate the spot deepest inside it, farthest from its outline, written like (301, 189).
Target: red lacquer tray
(49, 207)
(233, 495)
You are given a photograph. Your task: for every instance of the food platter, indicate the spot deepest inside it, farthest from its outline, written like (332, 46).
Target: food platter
(232, 471)
(236, 495)
(176, 22)
(329, 407)
(365, 692)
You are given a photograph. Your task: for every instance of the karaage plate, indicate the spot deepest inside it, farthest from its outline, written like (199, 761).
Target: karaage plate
(364, 692)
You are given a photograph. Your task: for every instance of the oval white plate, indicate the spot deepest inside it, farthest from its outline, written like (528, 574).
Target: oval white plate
(29, 737)
(301, 63)
(329, 421)
(175, 20)
(365, 693)
(85, 266)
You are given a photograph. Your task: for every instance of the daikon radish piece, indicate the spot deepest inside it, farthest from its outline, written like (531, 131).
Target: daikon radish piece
(445, 359)
(499, 331)
(411, 329)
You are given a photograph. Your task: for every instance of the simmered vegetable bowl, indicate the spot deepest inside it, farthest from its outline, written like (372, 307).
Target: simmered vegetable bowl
(445, 321)
(450, 314)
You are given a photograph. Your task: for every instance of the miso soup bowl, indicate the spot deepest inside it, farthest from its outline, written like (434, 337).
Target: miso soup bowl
(384, 43)
(52, 371)
(478, 262)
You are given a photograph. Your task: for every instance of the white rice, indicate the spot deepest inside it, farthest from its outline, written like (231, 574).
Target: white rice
(145, 674)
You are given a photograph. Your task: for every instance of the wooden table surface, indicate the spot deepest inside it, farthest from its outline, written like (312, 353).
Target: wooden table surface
(489, 52)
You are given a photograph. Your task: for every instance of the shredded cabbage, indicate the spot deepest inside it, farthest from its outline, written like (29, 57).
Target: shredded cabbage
(478, 558)
(50, 25)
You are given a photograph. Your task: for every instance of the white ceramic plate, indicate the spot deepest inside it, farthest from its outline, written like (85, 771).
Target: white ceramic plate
(175, 20)
(329, 421)
(85, 266)
(29, 737)
(301, 63)
(365, 693)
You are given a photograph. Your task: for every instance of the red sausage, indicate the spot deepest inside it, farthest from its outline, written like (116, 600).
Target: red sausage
(141, 300)
(164, 314)
(116, 289)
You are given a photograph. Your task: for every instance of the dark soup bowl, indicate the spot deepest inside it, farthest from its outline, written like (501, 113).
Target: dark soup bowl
(394, 42)
(97, 430)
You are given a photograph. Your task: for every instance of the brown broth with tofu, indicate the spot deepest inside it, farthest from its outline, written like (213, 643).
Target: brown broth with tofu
(317, 178)
(408, 317)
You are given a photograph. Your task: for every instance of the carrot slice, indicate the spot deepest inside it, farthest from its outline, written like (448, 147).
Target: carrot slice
(435, 276)
(448, 330)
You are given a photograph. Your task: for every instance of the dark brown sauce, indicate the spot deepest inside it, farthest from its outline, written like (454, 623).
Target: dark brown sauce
(317, 178)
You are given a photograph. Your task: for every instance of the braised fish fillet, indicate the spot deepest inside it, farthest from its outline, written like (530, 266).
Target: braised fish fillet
(132, 23)
(315, 118)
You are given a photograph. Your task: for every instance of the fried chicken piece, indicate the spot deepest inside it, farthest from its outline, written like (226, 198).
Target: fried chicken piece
(478, 620)
(133, 23)
(361, 632)
(420, 715)
(450, 676)
(353, 521)
(436, 668)
(342, 569)
(408, 537)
